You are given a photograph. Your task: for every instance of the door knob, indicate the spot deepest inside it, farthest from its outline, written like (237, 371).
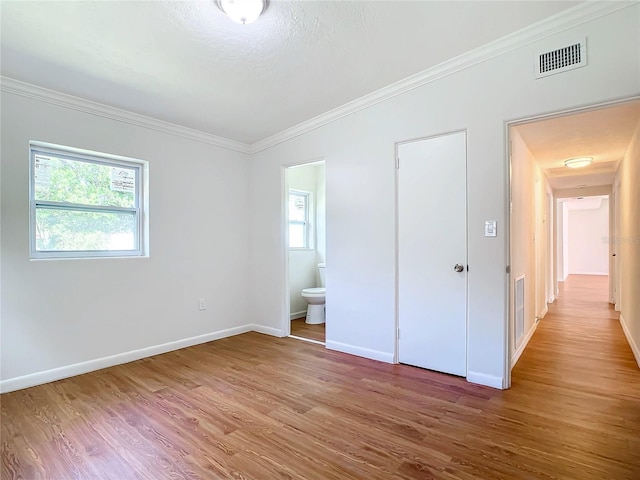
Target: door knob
(458, 268)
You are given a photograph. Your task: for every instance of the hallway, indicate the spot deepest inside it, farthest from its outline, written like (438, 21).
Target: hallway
(584, 381)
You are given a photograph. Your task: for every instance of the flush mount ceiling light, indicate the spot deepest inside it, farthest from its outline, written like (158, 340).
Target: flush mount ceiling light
(242, 11)
(578, 162)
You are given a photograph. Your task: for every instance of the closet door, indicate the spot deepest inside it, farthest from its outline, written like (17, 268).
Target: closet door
(432, 253)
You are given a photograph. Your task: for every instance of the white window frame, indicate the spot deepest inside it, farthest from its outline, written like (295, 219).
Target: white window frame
(87, 156)
(306, 223)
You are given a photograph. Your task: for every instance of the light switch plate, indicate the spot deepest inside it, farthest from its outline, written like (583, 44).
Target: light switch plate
(490, 228)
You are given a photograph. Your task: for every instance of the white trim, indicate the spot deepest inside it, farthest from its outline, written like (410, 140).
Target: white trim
(16, 87)
(571, 17)
(296, 315)
(523, 345)
(590, 273)
(484, 379)
(274, 332)
(309, 340)
(386, 357)
(632, 343)
(66, 371)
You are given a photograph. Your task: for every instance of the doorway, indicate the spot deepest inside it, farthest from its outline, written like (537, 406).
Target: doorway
(305, 230)
(544, 189)
(432, 253)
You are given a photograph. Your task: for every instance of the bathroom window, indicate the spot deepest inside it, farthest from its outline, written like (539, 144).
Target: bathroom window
(299, 219)
(85, 204)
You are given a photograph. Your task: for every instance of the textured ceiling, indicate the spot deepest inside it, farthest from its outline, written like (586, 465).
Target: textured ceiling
(186, 63)
(604, 134)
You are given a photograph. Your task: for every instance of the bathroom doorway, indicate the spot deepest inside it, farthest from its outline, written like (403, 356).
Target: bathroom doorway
(306, 250)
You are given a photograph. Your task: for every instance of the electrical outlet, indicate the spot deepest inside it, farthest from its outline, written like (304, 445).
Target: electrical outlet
(202, 305)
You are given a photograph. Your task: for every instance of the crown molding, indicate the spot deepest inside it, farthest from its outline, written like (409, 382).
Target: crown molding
(582, 13)
(28, 90)
(555, 24)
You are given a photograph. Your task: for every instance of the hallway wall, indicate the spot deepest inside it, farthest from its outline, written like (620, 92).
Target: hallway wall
(627, 242)
(562, 241)
(588, 246)
(529, 245)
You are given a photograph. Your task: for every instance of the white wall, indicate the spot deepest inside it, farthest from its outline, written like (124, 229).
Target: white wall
(57, 313)
(523, 228)
(529, 242)
(360, 182)
(321, 215)
(588, 245)
(627, 242)
(303, 263)
(559, 237)
(551, 252)
(566, 238)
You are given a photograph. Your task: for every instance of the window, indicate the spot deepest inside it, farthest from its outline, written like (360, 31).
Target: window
(299, 219)
(85, 204)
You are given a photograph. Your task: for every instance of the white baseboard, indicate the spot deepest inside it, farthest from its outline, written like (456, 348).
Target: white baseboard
(274, 332)
(545, 310)
(486, 380)
(38, 378)
(523, 345)
(308, 340)
(590, 273)
(632, 343)
(360, 351)
(295, 315)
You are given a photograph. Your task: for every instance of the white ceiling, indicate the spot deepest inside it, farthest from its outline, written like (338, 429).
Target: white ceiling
(186, 63)
(604, 134)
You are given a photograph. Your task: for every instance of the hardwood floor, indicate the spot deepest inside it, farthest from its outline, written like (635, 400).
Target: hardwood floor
(257, 407)
(313, 332)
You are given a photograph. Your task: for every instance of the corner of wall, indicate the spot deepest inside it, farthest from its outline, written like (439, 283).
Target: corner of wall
(486, 380)
(634, 346)
(385, 357)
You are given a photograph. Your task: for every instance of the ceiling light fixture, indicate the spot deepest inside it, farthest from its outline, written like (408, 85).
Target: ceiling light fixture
(578, 162)
(242, 11)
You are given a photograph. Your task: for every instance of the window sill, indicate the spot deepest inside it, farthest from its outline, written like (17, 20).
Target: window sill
(115, 257)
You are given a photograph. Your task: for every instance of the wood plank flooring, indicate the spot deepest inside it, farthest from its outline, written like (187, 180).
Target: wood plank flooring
(258, 407)
(313, 332)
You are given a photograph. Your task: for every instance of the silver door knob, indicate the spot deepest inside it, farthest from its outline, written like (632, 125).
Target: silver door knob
(458, 268)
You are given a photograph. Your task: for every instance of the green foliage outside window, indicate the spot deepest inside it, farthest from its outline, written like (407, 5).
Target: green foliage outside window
(83, 184)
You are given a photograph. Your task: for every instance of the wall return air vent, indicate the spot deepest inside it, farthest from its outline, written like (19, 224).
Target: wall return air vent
(562, 59)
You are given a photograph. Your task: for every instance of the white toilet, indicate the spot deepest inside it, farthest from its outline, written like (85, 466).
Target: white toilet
(315, 298)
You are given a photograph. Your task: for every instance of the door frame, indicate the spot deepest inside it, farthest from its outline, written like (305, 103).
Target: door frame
(396, 168)
(616, 296)
(510, 317)
(285, 325)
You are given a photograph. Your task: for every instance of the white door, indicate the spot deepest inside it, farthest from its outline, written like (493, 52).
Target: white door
(432, 253)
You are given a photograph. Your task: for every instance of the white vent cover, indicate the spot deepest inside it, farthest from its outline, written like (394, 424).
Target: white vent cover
(562, 59)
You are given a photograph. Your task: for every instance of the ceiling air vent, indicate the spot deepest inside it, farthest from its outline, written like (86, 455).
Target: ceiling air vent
(562, 59)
